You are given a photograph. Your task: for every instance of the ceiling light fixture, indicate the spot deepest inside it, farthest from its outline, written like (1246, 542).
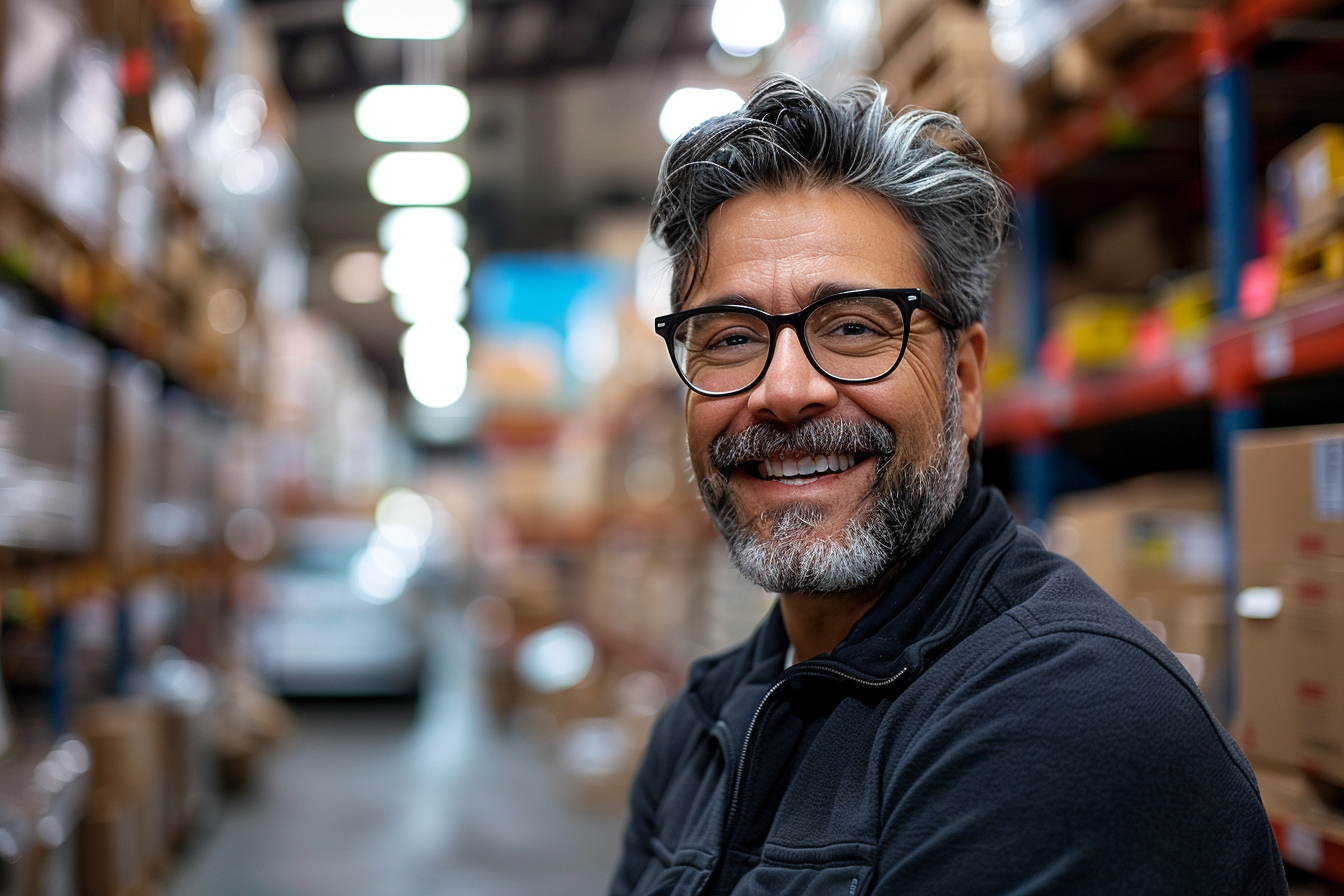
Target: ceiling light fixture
(413, 271)
(742, 27)
(434, 358)
(412, 113)
(414, 308)
(690, 106)
(422, 226)
(404, 19)
(419, 178)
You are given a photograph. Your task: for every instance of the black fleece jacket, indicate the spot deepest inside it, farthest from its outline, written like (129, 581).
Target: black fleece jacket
(995, 724)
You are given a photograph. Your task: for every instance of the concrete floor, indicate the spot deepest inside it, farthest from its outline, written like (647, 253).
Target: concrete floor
(398, 799)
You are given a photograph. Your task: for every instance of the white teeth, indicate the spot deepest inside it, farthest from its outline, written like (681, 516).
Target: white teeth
(801, 470)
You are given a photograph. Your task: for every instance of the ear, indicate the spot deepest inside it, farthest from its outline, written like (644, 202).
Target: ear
(972, 345)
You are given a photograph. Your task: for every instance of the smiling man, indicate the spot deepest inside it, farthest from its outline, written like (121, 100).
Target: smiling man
(936, 704)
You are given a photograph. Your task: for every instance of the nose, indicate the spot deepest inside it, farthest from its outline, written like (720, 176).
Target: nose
(792, 390)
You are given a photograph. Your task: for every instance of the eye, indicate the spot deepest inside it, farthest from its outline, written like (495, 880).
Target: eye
(851, 328)
(729, 340)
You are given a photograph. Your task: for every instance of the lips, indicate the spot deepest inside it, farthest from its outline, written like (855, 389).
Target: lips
(802, 469)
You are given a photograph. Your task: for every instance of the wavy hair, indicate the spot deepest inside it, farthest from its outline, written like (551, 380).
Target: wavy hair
(790, 136)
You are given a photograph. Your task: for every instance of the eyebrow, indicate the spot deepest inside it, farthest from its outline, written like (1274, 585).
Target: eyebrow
(819, 291)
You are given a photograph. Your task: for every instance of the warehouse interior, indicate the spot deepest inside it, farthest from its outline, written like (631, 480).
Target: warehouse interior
(347, 541)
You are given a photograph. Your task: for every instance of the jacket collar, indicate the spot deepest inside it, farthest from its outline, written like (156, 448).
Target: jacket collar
(926, 610)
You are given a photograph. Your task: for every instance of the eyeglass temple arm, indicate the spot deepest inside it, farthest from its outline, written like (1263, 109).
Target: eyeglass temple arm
(936, 308)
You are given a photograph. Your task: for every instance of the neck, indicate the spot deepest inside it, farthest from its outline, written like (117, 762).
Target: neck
(817, 623)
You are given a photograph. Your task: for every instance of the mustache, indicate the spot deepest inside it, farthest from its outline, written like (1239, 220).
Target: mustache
(823, 436)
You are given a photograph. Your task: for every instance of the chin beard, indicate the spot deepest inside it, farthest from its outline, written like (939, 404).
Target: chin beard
(905, 508)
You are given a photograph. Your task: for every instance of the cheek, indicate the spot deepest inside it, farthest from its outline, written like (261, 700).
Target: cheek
(706, 419)
(910, 407)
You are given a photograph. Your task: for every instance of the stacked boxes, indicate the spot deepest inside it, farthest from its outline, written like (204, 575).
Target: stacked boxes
(1313, 611)
(1155, 545)
(50, 404)
(1289, 499)
(1307, 183)
(122, 840)
(1289, 494)
(938, 56)
(145, 789)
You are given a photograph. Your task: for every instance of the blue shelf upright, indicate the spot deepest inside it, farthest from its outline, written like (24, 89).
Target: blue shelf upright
(1033, 461)
(1229, 171)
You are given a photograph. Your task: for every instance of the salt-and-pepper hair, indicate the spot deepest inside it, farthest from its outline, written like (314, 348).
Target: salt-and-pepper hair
(790, 136)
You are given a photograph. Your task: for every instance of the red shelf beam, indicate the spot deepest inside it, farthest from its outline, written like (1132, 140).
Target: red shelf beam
(1240, 356)
(1152, 84)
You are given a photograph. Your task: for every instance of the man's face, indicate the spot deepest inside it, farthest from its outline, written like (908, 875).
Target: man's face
(779, 252)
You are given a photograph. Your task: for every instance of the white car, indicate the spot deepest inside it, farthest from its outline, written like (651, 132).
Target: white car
(320, 634)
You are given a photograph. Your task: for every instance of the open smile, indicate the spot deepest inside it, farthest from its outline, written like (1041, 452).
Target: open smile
(802, 469)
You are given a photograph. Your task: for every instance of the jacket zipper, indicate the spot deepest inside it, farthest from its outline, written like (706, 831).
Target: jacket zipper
(751, 729)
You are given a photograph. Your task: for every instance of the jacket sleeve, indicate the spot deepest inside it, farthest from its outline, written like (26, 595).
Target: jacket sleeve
(1076, 763)
(646, 792)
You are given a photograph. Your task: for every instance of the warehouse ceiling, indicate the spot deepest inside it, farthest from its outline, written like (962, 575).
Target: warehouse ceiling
(565, 97)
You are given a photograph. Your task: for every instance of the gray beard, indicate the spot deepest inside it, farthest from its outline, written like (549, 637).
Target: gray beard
(905, 508)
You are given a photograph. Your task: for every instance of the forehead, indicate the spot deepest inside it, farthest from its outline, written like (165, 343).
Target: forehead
(775, 249)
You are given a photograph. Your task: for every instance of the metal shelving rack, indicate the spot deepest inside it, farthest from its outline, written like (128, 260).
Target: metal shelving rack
(1225, 374)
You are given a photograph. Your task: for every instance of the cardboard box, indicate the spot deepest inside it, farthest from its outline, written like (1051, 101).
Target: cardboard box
(1307, 179)
(1186, 616)
(1288, 498)
(1313, 595)
(1114, 532)
(1155, 544)
(108, 859)
(1265, 725)
(126, 766)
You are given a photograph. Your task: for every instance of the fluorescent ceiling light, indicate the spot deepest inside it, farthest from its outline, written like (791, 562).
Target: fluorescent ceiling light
(412, 113)
(413, 271)
(744, 26)
(404, 19)
(690, 106)
(356, 277)
(434, 358)
(419, 178)
(414, 308)
(422, 226)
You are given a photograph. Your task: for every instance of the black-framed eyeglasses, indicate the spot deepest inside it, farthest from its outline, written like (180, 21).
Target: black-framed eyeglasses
(856, 336)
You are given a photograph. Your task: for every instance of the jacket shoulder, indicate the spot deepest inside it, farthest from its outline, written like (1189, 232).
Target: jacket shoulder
(1081, 728)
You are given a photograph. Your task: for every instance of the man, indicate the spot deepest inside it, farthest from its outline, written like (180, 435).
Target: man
(936, 704)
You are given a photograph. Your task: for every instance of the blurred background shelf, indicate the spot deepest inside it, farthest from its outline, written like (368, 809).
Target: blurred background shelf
(1238, 357)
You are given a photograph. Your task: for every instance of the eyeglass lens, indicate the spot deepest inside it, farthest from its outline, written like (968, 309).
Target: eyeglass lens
(856, 338)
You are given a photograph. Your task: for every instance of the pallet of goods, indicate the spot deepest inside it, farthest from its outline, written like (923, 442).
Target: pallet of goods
(938, 56)
(1306, 182)
(1084, 64)
(1288, 488)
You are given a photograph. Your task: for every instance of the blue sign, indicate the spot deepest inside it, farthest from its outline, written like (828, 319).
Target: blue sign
(511, 292)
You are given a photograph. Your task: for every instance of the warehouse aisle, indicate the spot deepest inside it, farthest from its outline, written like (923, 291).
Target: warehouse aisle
(382, 797)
